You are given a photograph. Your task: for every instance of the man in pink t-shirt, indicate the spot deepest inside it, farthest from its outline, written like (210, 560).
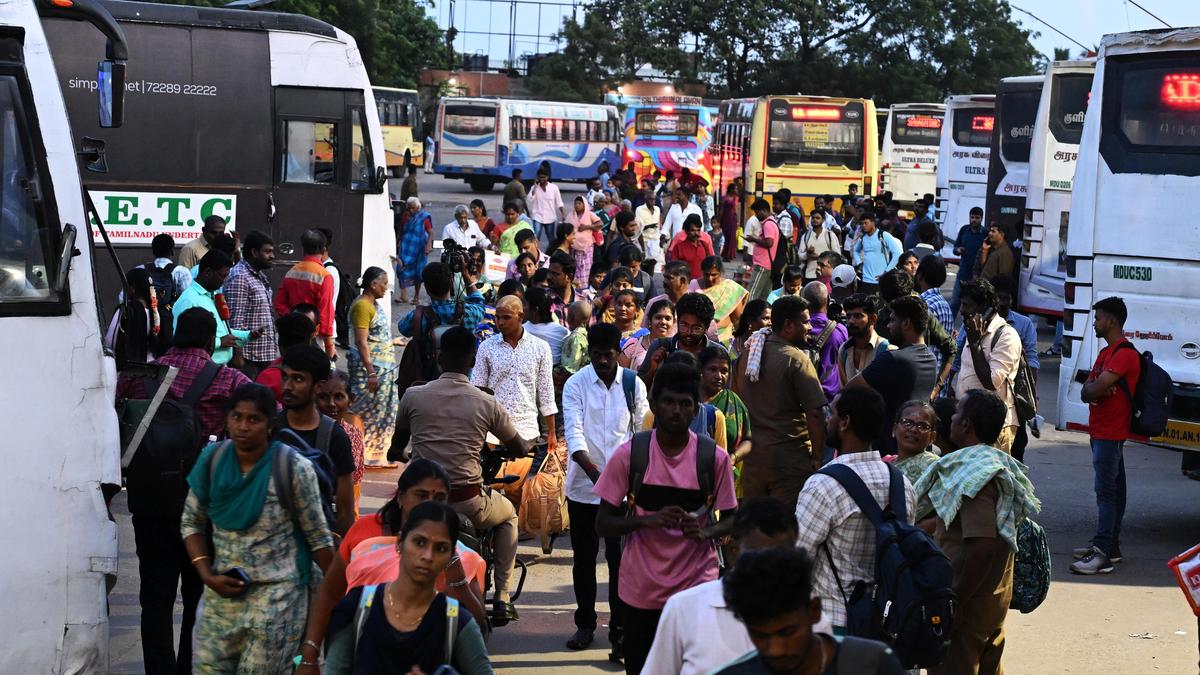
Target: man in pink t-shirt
(766, 248)
(667, 548)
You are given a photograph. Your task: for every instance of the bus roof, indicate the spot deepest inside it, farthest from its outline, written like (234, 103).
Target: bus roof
(968, 100)
(1158, 39)
(1023, 82)
(916, 106)
(395, 89)
(216, 17)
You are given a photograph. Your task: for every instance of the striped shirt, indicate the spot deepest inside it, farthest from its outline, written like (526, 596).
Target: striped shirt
(248, 293)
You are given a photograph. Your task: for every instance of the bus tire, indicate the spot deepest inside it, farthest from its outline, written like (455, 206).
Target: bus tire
(480, 184)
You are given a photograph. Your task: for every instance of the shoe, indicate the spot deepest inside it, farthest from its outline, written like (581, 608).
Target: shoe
(503, 613)
(1095, 562)
(617, 655)
(1050, 353)
(582, 639)
(1085, 550)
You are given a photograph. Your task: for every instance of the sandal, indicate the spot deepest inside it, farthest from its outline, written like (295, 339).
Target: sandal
(582, 639)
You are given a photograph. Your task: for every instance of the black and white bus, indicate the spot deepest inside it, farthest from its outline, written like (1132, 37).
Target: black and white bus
(264, 118)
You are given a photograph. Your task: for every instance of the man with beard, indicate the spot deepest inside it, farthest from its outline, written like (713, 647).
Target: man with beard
(864, 344)
(694, 312)
(247, 291)
(304, 367)
(828, 516)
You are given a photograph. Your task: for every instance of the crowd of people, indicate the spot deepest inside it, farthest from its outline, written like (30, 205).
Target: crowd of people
(729, 441)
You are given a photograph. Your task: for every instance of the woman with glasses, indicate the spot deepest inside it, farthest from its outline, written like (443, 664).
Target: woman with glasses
(914, 431)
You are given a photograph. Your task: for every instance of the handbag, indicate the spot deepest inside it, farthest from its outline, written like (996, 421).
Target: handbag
(543, 501)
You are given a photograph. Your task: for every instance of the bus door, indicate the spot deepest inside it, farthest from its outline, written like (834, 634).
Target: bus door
(323, 168)
(1008, 173)
(468, 136)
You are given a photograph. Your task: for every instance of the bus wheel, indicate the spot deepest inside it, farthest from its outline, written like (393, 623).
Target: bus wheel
(480, 184)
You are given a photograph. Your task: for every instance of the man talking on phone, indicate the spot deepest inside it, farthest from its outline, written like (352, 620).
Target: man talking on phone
(992, 354)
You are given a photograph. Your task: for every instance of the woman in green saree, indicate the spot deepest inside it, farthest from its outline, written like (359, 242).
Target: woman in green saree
(714, 389)
(728, 297)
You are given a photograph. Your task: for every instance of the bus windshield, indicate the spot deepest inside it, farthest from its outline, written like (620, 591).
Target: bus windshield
(809, 134)
(1018, 113)
(664, 123)
(916, 128)
(973, 127)
(469, 119)
(1068, 103)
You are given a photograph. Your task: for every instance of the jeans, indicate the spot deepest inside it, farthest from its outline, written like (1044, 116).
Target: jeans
(585, 546)
(640, 627)
(162, 564)
(954, 295)
(1058, 336)
(1108, 461)
(546, 232)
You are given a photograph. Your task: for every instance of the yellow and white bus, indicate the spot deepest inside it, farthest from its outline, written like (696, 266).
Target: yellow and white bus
(400, 121)
(812, 145)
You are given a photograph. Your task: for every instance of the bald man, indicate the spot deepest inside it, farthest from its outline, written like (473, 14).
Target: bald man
(826, 338)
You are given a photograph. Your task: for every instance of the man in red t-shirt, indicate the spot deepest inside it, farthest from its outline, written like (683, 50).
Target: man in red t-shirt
(693, 248)
(1108, 391)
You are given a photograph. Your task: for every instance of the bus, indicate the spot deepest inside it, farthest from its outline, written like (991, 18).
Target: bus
(400, 122)
(1139, 152)
(881, 120)
(910, 148)
(669, 133)
(1012, 137)
(1051, 170)
(59, 382)
(962, 164)
(812, 145)
(481, 140)
(264, 118)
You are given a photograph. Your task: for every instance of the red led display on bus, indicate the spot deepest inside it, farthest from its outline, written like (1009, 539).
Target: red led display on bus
(821, 114)
(1181, 90)
(983, 123)
(924, 122)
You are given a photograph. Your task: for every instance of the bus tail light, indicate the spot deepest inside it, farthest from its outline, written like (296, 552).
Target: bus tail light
(758, 183)
(630, 154)
(667, 108)
(917, 165)
(867, 185)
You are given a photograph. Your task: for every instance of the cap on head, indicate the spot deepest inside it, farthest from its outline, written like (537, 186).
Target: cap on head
(843, 276)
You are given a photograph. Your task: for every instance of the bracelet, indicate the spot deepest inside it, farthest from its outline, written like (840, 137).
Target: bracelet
(452, 561)
(370, 375)
(458, 584)
(306, 663)
(310, 643)
(199, 557)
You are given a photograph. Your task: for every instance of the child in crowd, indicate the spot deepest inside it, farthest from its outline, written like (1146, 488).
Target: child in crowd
(575, 346)
(334, 400)
(596, 276)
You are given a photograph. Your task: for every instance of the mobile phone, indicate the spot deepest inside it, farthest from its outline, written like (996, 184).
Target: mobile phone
(237, 573)
(1081, 376)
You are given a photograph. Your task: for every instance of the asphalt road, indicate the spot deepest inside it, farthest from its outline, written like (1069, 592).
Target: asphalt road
(1132, 621)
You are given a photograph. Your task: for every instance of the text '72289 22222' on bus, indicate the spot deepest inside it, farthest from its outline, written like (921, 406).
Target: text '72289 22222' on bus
(669, 133)
(812, 145)
(481, 140)
(1131, 235)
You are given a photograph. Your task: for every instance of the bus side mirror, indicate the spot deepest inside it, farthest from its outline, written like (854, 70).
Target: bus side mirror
(380, 179)
(111, 81)
(65, 254)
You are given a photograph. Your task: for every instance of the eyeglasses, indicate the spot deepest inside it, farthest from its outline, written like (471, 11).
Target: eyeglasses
(693, 329)
(923, 427)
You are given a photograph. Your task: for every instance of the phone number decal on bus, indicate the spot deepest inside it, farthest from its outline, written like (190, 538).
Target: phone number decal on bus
(137, 217)
(147, 87)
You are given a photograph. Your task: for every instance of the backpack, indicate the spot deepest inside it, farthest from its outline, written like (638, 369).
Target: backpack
(1024, 398)
(363, 612)
(1031, 567)
(164, 444)
(911, 603)
(341, 304)
(1151, 397)
(706, 460)
(164, 283)
(419, 360)
(814, 352)
(321, 461)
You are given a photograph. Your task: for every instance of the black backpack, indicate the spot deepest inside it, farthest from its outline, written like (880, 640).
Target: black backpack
(1151, 397)
(321, 461)
(164, 445)
(911, 603)
(419, 360)
(341, 304)
(653, 497)
(164, 283)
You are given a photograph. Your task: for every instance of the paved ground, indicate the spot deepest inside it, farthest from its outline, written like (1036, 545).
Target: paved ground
(1132, 621)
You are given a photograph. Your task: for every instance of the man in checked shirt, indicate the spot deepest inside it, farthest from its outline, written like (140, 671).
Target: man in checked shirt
(832, 528)
(248, 293)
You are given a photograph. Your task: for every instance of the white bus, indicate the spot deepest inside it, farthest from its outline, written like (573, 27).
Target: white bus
(1131, 235)
(910, 151)
(481, 140)
(57, 404)
(1008, 171)
(265, 118)
(1051, 170)
(962, 163)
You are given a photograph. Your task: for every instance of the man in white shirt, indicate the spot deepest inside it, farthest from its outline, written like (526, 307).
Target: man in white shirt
(783, 218)
(464, 231)
(698, 633)
(545, 207)
(680, 209)
(603, 405)
(991, 355)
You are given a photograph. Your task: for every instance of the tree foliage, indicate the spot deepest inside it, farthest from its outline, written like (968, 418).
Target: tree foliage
(396, 38)
(889, 50)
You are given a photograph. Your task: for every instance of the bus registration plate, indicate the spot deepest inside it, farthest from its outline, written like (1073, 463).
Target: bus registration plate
(1180, 434)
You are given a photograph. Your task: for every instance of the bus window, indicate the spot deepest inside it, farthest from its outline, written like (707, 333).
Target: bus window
(24, 227)
(1068, 103)
(662, 123)
(1019, 112)
(310, 150)
(805, 134)
(361, 163)
(973, 127)
(469, 120)
(916, 128)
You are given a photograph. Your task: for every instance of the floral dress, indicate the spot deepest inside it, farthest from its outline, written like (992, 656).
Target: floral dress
(378, 409)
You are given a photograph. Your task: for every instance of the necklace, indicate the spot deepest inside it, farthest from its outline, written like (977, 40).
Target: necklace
(404, 623)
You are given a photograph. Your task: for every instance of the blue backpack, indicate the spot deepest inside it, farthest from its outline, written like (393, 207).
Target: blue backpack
(910, 605)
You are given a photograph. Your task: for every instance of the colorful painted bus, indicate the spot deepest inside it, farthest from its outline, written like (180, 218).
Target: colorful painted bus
(400, 122)
(669, 133)
(481, 140)
(812, 145)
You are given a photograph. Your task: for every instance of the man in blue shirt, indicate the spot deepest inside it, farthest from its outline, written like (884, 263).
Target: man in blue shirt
(877, 252)
(205, 293)
(912, 235)
(966, 247)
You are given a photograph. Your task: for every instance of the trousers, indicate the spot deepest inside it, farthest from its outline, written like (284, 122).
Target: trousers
(1108, 461)
(491, 510)
(163, 564)
(585, 546)
(640, 627)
